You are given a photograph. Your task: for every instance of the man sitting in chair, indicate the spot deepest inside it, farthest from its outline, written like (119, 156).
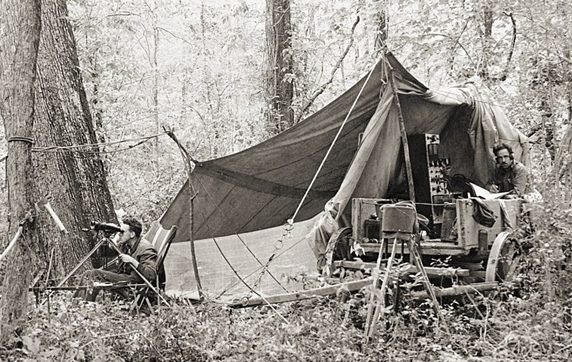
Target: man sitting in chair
(137, 253)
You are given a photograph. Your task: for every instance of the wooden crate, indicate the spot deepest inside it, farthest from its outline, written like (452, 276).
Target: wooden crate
(468, 228)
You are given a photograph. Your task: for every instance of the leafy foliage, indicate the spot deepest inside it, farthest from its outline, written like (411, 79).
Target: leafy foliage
(529, 318)
(204, 61)
(507, 325)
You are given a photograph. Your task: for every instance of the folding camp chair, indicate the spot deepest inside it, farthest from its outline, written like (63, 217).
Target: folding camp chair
(161, 239)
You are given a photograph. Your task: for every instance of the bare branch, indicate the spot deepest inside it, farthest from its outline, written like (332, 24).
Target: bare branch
(323, 87)
(512, 45)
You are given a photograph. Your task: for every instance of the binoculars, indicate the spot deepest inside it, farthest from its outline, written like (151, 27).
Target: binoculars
(105, 226)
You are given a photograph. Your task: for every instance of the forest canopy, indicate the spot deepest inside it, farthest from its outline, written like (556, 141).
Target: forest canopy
(198, 67)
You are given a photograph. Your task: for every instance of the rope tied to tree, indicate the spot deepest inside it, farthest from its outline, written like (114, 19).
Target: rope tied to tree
(21, 139)
(92, 147)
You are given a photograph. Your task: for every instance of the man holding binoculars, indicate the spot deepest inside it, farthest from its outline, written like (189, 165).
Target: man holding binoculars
(137, 257)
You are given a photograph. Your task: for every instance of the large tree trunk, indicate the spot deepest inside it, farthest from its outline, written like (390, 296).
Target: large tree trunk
(19, 37)
(75, 179)
(566, 8)
(280, 87)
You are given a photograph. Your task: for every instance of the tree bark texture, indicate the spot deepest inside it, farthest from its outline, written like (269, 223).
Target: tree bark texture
(19, 37)
(74, 179)
(379, 25)
(566, 8)
(487, 40)
(280, 87)
(155, 66)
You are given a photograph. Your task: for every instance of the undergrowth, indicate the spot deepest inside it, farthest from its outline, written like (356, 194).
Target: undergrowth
(527, 319)
(501, 326)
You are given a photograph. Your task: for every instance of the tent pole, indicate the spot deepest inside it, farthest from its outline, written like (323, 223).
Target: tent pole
(408, 169)
(189, 168)
(192, 195)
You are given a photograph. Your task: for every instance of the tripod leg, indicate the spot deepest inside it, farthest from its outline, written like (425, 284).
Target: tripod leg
(425, 281)
(85, 258)
(75, 269)
(375, 273)
(380, 307)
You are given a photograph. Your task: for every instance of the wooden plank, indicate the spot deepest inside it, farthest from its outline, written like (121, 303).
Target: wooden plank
(456, 290)
(431, 271)
(448, 252)
(357, 265)
(102, 286)
(478, 273)
(432, 248)
(354, 286)
(443, 272)
(303, 294)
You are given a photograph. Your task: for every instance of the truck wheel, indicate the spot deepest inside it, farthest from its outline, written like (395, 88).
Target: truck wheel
(504, 258)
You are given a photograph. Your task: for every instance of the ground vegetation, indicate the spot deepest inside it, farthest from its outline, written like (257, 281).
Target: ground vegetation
(198, 68)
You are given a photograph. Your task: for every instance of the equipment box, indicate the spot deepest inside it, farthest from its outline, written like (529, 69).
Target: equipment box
(365, 220)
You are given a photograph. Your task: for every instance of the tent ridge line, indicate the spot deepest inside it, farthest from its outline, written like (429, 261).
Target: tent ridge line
(257, 184)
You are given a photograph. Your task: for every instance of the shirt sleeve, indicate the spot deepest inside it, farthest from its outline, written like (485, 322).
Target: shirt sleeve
(520, 180)
(147, 267)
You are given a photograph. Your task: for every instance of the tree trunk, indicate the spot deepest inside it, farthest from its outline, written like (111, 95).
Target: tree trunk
(487, 39)
(75, 179)
(380, 26)
(155, 65)
(19, 37)
(279, 82)
(547, 119)
(567, 10)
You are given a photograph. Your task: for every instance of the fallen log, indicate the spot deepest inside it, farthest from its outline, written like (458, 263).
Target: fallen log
(456, 290)
(353, 286)
(431, 271)
(303, 294)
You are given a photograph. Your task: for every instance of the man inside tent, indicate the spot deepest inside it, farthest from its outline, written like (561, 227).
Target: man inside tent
(510, 175)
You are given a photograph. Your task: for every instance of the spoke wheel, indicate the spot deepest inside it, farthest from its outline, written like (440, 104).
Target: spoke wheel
(341, 243)
(504, 259)
(338, 248)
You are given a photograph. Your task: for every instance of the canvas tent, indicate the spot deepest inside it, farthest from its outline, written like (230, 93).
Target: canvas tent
(243, 201)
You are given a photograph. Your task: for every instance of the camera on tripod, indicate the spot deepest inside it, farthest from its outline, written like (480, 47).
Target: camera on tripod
(105, 227)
